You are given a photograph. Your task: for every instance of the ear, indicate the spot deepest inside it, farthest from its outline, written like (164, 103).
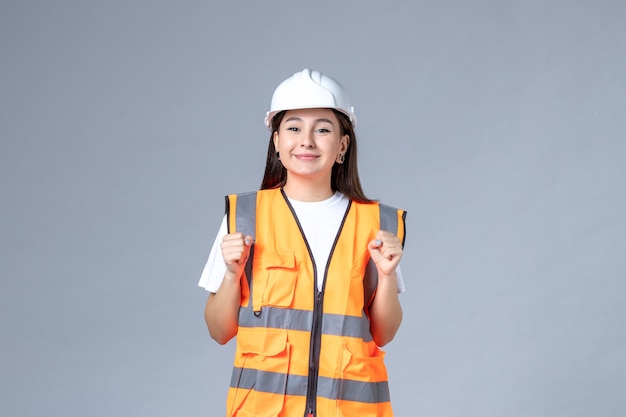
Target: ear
(345, 142)
(275, 139)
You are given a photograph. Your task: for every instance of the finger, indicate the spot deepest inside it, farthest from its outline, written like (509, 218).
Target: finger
(247, 243)
(374, 244)
(231, 237)
(386, 245)
(232, 247)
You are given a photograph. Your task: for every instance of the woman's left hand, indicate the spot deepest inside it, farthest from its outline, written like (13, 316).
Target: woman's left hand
(386, 251)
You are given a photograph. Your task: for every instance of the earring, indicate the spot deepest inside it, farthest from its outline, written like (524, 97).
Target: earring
(341, 158)
(278, 155)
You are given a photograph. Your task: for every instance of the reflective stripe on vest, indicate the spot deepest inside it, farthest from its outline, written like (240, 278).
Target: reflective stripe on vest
(285, 364)
(365, 392)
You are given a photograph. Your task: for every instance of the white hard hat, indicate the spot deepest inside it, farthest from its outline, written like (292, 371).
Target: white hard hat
(310, 89)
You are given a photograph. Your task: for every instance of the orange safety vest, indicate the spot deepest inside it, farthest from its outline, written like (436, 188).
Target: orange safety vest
(301, 351)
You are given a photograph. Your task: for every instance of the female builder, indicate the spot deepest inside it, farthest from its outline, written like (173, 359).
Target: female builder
(308, 276)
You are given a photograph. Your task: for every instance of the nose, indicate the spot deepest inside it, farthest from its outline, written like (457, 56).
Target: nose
(308, 139)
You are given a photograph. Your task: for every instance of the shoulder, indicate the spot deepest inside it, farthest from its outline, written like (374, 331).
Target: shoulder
(389, 217)
(254, 193)
(377, 204)
(242, 194)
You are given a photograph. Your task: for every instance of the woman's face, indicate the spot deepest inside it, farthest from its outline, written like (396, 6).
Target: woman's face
(309, 142)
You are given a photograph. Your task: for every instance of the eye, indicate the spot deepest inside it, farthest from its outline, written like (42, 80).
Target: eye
(292, 129)
(323, 130)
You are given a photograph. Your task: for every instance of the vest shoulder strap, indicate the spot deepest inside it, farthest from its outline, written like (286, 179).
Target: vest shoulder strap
(241, 213)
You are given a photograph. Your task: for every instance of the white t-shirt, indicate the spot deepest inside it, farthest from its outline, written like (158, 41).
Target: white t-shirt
(320, 221)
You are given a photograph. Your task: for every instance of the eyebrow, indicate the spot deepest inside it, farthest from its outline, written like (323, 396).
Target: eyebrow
(298, 119)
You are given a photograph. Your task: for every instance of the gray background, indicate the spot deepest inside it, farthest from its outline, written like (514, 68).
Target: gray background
(499, 125)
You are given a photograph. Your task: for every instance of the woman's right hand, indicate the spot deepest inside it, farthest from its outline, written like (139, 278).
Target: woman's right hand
(235, 250)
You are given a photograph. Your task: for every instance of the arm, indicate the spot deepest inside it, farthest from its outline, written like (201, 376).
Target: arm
(385, 311)
(222, 308)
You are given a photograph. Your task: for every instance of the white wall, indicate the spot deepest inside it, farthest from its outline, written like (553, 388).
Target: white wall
(498, 125)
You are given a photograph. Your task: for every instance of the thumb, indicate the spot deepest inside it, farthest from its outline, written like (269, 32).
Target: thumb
(247, 243)
(373, 247)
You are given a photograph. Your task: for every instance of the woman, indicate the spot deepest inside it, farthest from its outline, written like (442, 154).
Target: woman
(308, 278)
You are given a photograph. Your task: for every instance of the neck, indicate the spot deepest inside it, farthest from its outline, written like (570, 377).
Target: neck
(307, 190)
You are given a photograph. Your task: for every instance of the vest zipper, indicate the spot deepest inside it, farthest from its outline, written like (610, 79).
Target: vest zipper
(318, 314)
(314, 355)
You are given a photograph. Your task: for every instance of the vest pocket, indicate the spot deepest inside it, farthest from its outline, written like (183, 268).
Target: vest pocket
(266, 356)
(362, 369)
(363, 361)
(278, 287)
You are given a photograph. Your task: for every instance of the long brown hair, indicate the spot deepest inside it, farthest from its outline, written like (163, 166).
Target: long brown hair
(344, 178)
